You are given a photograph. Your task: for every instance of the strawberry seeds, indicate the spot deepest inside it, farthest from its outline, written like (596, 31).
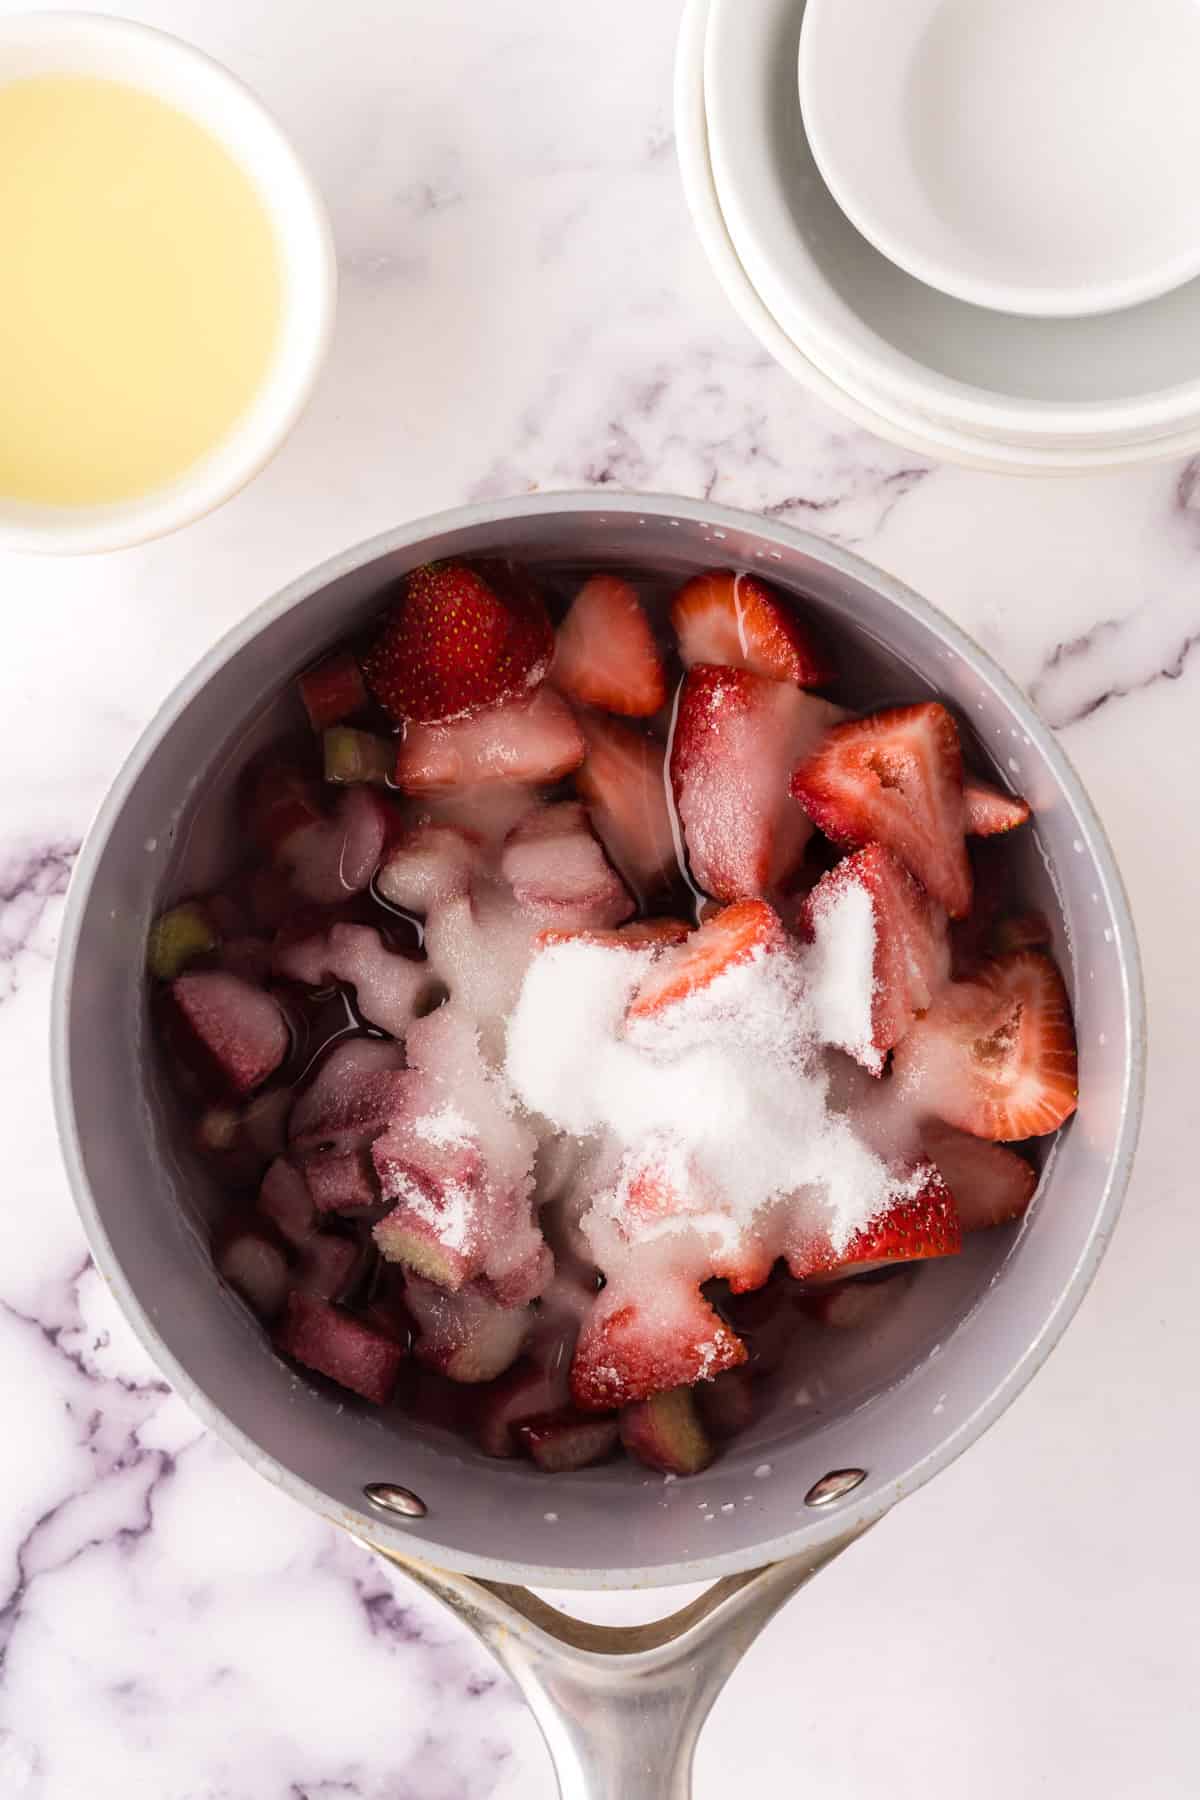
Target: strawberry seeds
(593, 1009)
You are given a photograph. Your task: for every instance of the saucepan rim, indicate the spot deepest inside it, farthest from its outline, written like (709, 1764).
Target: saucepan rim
(960, 1431)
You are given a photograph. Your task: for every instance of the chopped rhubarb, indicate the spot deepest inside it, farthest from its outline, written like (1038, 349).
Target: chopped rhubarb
(561, 1442)
(177, 938)
(332, 691)
(257, 1270)
(231, 1035)
(352, 756)
(335, 1345)
(465, 1336)
(665, 1432)
(342, 1183)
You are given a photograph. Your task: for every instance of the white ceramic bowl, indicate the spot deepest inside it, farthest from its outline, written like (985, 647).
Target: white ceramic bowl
(1025, 155)
(117, 49)
(1103, 383)
(835, 385)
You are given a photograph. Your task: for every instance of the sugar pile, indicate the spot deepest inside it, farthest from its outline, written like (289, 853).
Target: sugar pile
(726, 1095)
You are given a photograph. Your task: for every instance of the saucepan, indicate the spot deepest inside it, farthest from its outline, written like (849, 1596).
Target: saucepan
(870, 1419)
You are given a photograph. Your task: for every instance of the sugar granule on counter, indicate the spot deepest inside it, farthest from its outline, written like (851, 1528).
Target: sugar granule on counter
(730, 1087)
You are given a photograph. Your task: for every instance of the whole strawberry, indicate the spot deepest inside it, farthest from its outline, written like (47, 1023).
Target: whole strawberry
(459, 637)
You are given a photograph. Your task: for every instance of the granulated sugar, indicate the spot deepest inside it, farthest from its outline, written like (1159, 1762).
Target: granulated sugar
(728, 1089)
(839, 969)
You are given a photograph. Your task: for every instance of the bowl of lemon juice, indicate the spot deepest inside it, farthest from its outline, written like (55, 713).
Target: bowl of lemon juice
(169, 283)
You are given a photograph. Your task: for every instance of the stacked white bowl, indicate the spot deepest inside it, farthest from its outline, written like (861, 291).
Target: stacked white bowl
(1007, 276)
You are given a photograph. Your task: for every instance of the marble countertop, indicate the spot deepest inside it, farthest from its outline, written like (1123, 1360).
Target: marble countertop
(523, 306)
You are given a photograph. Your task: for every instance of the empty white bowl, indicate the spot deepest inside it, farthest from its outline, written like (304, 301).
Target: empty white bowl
(1026, 155)
(66, 43)
(834, 385)
(1106, 382)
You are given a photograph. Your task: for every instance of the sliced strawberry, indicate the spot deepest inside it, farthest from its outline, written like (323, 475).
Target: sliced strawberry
(895, 777)
(630, 1348)
(639, 934)
(736, 738)
(739, 621)
(622, 783)
(529, 740)
(995, 1055)
(561, 1442)
(256, 1269)
(459, 637)
(665, 1432)
(332, 691)
(879, 953)
(990, 1183)
(606, 655)
(231, 1035)
(558, 872)
(732, 937)
(988, 811)
(914, 1227)
(339, 1347)
(429, 864)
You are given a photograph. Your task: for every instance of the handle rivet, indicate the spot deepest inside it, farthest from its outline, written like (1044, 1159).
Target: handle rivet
(831, 1487)
(390, 1498)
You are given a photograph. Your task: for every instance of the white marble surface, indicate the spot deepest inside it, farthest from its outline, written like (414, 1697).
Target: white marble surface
(523, 306)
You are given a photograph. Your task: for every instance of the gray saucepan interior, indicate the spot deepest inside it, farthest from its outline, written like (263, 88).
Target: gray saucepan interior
(898, 1402)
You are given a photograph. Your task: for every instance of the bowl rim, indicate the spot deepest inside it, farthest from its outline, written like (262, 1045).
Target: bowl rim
(296, 210)
(837, 388)
(742, 166)
(822, 104)
(819, 1528)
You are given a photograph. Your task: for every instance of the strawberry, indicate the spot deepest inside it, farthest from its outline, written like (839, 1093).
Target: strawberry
(606, 655)
(990, 1183)
(558, 872)
(912, 1228)
(530, 739)
(339, 1347)
(987, 810)
(665, 1433)
(230, 1034)
(895, 777)
(879, 955)
(739, 621)
(995, 1055)
(430, 863)
(560, 1442)
(735, 741)
(639, 934)
(459, 637)
(332, 691)
(630, 1348)
(732, 937)
(622, 784)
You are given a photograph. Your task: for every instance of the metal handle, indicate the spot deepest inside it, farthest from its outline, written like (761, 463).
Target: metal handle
(621, 1707)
